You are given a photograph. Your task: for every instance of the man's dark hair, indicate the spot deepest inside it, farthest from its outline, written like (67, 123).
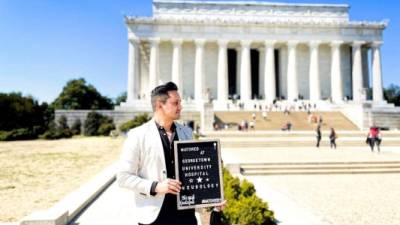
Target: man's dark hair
(160, 93)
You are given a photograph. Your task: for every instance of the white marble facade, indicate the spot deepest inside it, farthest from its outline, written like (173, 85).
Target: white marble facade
(309, 51)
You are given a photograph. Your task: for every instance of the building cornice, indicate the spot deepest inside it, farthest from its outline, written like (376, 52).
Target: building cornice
(280, 22)
(194, 2)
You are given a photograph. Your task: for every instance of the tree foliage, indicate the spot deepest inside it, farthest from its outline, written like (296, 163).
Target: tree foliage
(58, 130)
(76, 94)
(22, 117)
(137, 121)
(97, 124)
(121, 98)
(18, 134)
(76, 127)
(392, 94)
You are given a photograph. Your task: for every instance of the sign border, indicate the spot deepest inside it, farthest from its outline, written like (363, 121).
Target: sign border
(220, 173)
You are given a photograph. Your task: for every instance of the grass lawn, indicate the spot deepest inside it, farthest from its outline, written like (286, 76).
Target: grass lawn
(36, 174)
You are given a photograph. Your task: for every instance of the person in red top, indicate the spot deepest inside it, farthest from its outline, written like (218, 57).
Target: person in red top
(374, 138)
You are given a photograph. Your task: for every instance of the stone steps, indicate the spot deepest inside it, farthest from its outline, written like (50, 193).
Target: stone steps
(313, 168)
(275, 120)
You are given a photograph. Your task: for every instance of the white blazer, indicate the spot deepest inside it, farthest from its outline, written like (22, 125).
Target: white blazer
(142, 162)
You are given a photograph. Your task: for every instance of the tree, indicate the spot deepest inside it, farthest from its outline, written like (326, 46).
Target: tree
(121, 98)
(17, 111)
(137, 121)
(92, 123)
(392, 94)
(63, 123)
(76, 94)
(22, 117)
(97, 124)
(76, 127)
(58, 130)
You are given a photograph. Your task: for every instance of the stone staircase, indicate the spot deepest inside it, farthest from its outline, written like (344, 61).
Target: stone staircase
(275, 120)
(314, 168)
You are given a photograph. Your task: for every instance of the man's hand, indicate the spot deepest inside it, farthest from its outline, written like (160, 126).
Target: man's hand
(168, 186)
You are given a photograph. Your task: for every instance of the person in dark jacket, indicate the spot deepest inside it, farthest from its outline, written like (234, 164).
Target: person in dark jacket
(332, 138)
(319, 135)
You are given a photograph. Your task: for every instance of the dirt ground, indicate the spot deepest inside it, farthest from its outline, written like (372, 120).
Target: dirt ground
(36, 174)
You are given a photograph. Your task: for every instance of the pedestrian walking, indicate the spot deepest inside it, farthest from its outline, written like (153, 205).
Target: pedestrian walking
(374, 138)
(332, 138)
(319, 136)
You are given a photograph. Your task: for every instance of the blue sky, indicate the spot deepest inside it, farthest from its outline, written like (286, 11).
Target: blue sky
(45, 43)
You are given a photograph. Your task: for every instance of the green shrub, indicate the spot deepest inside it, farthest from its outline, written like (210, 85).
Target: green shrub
(92, 123)
(247, 189)
(53, 134)
(105, 128)
(244, 207)
(63, 123)
(97, 124)
(249, 211)
(137, 121)
(57, 131)
(17, 134)
(76, 127)
(232, 188)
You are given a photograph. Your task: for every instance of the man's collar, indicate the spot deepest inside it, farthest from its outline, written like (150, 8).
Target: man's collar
(162, 128)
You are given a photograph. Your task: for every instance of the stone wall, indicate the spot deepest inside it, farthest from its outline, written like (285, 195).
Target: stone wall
(119, 116)
(386, 118)
(367, 114)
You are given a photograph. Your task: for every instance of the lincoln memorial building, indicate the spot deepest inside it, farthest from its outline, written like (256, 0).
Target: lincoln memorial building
(222, 53)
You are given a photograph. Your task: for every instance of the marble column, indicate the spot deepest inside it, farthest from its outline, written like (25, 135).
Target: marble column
(245, 71)
(269, 72)
(357, 73)
(292, 83)
(133, 66)
(177, 64)
(222, 71)
(336, 72)
(315, 82)
(377, 91)
(199, 70)
(153, 64)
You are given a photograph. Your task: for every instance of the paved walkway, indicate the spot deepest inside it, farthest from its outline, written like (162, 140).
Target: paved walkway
(286, 210)
(333, 199)
(326, 199)
(308, 154)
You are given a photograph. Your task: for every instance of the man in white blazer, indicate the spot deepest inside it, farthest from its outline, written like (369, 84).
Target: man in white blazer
(147, 162)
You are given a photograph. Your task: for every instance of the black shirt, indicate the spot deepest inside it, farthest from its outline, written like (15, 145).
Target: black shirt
(168, 148)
